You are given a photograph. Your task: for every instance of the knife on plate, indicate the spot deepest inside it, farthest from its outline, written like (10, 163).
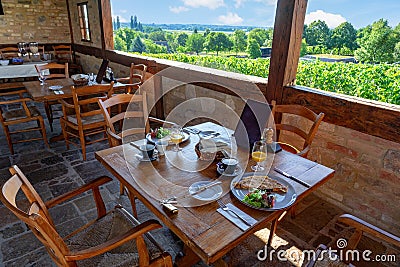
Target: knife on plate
(206, 186)
(292, 177)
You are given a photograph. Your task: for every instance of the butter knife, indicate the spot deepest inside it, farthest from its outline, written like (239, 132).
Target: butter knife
(204, 187)
(292, 177)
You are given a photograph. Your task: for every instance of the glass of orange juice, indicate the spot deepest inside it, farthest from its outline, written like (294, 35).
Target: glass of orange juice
(176, 136)
(259, 154)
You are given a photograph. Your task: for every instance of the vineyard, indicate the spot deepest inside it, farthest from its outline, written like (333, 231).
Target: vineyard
(379, 82)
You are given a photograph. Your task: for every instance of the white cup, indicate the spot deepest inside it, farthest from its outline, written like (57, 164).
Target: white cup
(161, 146)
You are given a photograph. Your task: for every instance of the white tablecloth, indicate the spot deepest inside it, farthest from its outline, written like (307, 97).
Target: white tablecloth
(19, 71)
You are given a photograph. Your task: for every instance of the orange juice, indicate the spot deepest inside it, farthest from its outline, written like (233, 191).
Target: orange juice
(176, 138)
(259, 156)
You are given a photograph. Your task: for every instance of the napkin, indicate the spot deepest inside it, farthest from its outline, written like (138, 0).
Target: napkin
(233, 218)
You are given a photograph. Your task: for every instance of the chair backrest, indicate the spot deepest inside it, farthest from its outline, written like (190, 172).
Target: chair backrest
(63, 53)
(134, 117)
(36, 216)
(137, 73)
(300, 111)
(9, 52)
(86, 99)
(56, 70)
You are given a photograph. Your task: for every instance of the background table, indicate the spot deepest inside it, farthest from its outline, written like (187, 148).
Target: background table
(20, 71)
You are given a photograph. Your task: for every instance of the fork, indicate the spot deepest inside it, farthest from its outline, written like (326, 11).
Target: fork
(225, 208)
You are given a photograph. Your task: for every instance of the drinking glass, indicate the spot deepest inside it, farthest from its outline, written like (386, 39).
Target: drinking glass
(43, 76)
(259, 154)
(176, 136)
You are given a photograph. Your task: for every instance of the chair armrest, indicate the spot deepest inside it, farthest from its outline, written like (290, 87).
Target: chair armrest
(66, 104)
(363, 226)
(86, 187)
(115, 138)
(133, 233)
(161, 121)
(20, 100)
(16, 92)
(123, 80)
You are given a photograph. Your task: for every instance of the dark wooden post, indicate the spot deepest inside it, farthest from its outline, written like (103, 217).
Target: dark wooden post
(286, 44)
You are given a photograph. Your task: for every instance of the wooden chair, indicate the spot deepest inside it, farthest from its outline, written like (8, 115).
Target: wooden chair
(304, 134)
(63, 54)
(56, 71)
(113, 237)
(325, 257)
(9, 52)
(20, 116)
(86, 118)
(136, 78)
(127, 125)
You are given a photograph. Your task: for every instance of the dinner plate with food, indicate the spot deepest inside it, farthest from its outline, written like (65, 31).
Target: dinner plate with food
(163, 134)
(263, 192)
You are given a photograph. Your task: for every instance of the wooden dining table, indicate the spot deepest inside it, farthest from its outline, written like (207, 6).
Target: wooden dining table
(206, 234)
(45, 93)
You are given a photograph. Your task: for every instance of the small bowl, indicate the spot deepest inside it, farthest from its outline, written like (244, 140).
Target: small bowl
(4, 62)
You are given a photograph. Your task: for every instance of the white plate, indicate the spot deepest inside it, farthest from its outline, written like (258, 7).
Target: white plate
(282, 201)
(208, 194)
(55, 87)
(166, 138)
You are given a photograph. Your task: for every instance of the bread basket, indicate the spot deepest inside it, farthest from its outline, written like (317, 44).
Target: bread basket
(80, 79)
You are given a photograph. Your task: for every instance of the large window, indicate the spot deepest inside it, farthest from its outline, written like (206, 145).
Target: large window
(84, 21)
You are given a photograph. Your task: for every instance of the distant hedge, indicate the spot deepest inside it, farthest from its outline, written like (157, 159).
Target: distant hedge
(379, 82)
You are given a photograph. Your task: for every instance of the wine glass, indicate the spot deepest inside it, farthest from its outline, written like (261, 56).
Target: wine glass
(43, 76)
(259, 154)
(176, 136)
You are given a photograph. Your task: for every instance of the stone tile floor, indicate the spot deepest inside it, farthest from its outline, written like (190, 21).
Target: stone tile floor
(56, 170)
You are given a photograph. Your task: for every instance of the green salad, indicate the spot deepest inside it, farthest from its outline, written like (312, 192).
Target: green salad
(159, 133)
(260, 199)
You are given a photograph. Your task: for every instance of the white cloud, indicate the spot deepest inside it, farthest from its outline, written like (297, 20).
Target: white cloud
(178, 9)
(332, 20)
(267, 2)
(230, 19)
(239, 3)
(211, 4)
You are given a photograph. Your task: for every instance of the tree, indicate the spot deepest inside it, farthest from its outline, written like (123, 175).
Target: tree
(140, 27)
(195, 42)
(153, 48)
(377, 43)
(138, 45)
(157, 36)
(344, 35)
(258, 34)
(317, 33)
(120, 44)
(127, 35)
(303, 48)
(132, 23)
(181, 38)
(118, 23)
(114, 25)
(253, 48)
(217, 41)
(396, 53)
(239, 41)
(135, 23)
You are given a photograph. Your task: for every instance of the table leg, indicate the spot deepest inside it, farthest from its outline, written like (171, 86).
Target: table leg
(49, 114)
(274, 224)
(189, 258)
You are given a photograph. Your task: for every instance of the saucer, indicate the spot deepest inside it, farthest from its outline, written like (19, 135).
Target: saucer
(235, 173)
(140, 157)
(55, 87)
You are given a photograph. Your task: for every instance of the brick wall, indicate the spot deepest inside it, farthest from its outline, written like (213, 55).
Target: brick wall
(367, 178)
(43, 21)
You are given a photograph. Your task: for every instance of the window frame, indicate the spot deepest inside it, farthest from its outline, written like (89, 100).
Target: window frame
(84, 25)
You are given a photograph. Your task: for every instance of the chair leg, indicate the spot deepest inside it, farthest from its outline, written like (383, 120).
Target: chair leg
(49, 114)
(43, 132)
(65, 134)
(83, 146)
(293, 212)
(9, 141)
(132, 200)
(121, 189)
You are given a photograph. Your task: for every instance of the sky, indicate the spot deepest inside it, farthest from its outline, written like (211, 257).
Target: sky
(254, 12)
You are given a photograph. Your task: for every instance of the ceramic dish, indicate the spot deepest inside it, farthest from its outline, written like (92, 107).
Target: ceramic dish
(208, 194)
